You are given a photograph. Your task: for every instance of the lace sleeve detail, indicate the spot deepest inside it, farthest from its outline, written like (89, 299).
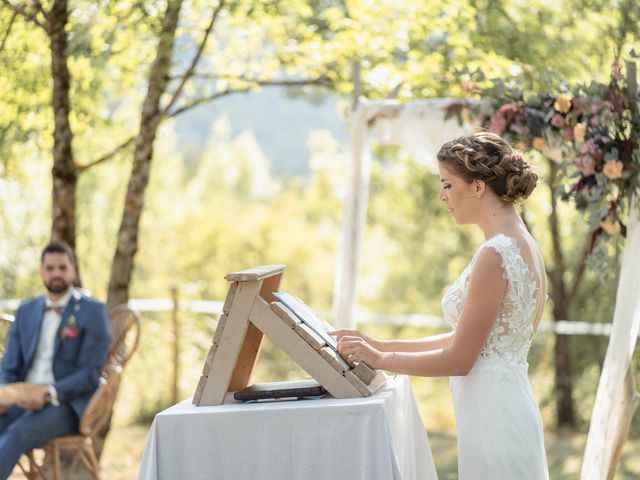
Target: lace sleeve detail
(510, 337)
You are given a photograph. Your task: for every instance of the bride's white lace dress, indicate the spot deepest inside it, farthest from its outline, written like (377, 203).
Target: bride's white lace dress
(499, 427)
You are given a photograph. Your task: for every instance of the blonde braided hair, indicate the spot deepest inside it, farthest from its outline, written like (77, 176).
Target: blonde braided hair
(486, 156)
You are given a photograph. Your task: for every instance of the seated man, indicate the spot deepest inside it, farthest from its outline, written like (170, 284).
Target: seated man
(55, 350)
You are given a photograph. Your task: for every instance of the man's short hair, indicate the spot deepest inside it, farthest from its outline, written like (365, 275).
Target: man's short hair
(58, 246)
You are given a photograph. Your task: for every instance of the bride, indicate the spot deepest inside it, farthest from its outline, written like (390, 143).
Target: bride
(494, 308)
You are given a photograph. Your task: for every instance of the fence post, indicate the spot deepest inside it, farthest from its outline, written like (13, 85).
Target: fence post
(175, 320)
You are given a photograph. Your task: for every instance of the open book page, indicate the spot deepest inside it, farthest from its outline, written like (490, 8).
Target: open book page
(308, 317)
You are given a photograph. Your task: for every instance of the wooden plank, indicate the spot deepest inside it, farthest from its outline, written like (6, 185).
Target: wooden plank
(285, 314)
(334, 359)
(228, 301)
(247, 359)
(358, 384)
(209, 360)
(364, 372)
(300, 351)
(254, 274)
(270, 285)
(197, 396)
(309, 336)
(230, 344)
(366, 390)
(379, 381)
(220, 328)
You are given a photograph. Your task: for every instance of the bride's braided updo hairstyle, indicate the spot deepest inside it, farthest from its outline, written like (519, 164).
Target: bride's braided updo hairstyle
(486, 156)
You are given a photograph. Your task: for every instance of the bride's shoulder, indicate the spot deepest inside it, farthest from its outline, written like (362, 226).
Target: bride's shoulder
(505, 245)
(500, 242)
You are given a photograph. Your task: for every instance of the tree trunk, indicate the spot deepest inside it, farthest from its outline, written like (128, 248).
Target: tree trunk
(65, 176)
(561, 306)
(564, 380)
(127, 245)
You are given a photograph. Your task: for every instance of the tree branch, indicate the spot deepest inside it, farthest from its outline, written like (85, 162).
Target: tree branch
(229, 91)
(8, 31)
(196, 58)
(39, 7)
(321, 80)
(107, 156)
(22, 11)
(199, 101)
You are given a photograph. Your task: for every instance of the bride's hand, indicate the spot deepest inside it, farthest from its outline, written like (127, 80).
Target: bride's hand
(355, 349)
(345, 332)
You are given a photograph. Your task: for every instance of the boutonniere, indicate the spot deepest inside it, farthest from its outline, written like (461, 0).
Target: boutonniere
(70, 330)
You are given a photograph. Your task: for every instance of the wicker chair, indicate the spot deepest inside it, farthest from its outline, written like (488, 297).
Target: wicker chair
(125, 333)
(81, 445)
(125, 330)
(5, 323)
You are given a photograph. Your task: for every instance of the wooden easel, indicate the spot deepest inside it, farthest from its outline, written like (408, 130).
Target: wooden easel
(250, 310)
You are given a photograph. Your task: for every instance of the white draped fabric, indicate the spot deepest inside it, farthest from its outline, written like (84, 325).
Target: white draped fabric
(420, 129)
(381, 437)
(609, 412)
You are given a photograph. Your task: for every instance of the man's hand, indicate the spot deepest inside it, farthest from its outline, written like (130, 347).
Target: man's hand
(29, 396)
(10, 394)
(34, 397)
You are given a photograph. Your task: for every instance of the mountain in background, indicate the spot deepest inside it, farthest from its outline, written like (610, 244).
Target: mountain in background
(280, 121)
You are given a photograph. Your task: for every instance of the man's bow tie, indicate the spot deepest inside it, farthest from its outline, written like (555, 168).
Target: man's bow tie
(54, 308)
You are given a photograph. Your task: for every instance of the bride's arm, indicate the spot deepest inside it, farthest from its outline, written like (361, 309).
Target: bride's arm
(432, 342)
(486, 290)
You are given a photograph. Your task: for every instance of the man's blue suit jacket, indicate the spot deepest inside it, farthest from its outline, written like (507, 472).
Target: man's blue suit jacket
(77, 362)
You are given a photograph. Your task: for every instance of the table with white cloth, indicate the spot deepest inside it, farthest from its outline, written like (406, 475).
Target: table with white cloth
(378, 437)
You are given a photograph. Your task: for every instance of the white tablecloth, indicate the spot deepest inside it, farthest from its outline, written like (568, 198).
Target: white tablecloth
(380, 437)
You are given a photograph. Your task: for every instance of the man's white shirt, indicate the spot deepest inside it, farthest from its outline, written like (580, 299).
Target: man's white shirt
(41, 370)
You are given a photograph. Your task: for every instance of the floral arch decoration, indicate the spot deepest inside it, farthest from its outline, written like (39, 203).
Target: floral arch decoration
(593, 132)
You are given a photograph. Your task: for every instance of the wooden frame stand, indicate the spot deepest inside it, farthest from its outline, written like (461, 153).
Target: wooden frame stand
(250, 311)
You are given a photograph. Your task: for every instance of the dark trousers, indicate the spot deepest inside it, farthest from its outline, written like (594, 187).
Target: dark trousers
(22, 430)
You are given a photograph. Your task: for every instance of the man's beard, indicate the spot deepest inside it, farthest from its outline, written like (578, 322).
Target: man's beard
(57, 285)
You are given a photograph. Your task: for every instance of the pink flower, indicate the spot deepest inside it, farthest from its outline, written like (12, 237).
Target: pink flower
(594, 108)
(594, 121)
(69, 332)
(498, 123)
(557, 121)
(586, 165)
(588, 147)
(567, 133)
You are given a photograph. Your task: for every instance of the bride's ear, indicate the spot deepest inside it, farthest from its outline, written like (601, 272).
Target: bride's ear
(479, 187)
